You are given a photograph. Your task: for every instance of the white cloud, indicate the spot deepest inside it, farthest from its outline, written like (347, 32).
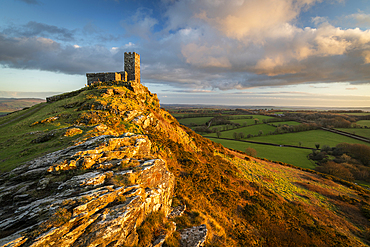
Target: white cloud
(361, 18)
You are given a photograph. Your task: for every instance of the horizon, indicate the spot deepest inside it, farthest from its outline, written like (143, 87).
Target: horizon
(308, 54)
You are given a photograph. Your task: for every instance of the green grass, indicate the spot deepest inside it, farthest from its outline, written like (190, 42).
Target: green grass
(16, 144)
(294, 156)
(360, 132)
(253, 129)
(307, 138)
(259, 117)
(195, 120)
(364, 122)
(242, 121)
(287, 123)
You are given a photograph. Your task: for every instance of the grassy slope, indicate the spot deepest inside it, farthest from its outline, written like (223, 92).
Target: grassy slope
(16, 144)
(308, 138)
(243, 203)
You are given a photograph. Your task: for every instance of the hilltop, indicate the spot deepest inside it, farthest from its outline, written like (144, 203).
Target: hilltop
(106, 166)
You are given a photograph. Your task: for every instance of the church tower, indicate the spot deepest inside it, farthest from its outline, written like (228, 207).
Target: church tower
(132, 66)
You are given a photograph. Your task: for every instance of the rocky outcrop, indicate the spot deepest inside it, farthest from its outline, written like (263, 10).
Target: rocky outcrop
(177, 211)
(92, 194)
(194, 236)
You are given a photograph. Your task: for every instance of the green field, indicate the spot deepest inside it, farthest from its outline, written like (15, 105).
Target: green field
(364, 123)
(195, 120)
(307, 138)
(359, 132)
(294, 156)
(253, 129)
(287, 123)
(203, 120)
(243, 121)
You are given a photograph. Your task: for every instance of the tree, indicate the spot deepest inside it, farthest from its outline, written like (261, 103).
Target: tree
(241, 135)
(251, 151)
(260, 132)
(256, 121)
(300, 144)
(236, 136)
(335, 169)
(218, 133)
(317, 145)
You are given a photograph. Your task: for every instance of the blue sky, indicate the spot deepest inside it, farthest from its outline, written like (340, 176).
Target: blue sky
(230, 52)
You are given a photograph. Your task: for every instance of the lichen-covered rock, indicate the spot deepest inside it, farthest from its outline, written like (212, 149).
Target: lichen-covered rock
(73, 131)
(93, 194)
(194, 236)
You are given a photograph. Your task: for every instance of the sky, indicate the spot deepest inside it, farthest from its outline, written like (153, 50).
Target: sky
(307, 53)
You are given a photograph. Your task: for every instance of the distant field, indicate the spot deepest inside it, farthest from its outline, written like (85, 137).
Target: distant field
(196, 120)
(307, 138)
(360, 132)
(294, 156)
(364, 122)
(242, 121)
(253, 129)
(287, 123)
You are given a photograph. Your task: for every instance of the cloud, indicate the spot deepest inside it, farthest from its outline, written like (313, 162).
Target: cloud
(351, 88)
(33, 28)
(140, 24)
(361, 19)
(30, 1)
(204, 45)
(49, 55)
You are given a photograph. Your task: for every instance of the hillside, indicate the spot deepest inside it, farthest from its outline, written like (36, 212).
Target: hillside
(105, 165)
(8, 105)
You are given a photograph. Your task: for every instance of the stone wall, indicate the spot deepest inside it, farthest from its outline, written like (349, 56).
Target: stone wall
(108, 76)
(64, 96)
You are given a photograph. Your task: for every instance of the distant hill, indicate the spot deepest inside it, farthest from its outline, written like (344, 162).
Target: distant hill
(13, 104)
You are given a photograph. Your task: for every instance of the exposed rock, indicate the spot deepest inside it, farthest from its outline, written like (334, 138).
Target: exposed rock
(102, 205)
(194, 236)
(177, 211)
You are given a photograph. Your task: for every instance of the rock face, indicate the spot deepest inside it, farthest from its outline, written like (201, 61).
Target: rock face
(92, 194)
